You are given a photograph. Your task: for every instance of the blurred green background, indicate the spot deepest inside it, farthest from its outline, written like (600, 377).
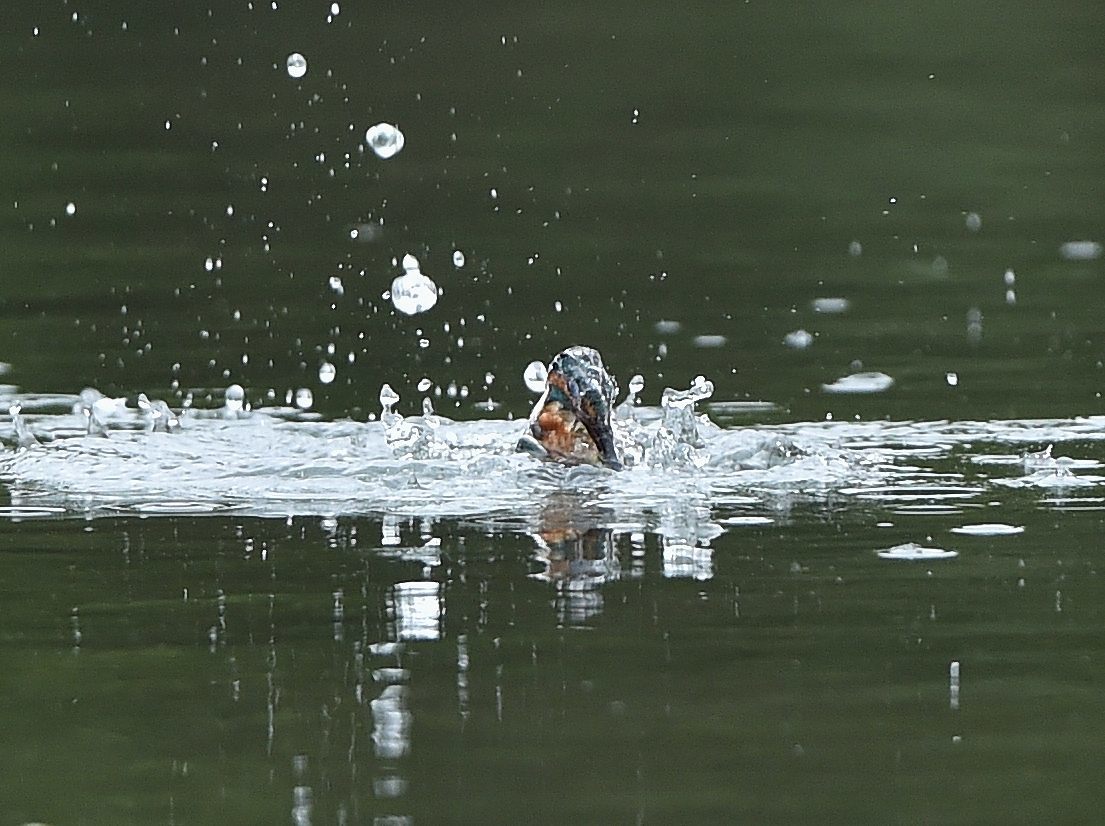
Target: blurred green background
(710, 164)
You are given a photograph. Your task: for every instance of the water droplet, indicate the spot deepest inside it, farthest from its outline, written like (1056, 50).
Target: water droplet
(952, 379)
(855, 249)
(70, 209)
(424, 385)
(666, 327)
(458, 259)
(798, 339)
(297, 65)
(973, 221)
(636, 384)
(413, 292)
(535, 376)
(385, 140)
(388, 398)
(709, 341)
(336, 285)
(335, 9)
(831, 305)
(235, 397)
(327, 373)
(488, 379)
(304, 398)
(974, 324)
(1080, 250)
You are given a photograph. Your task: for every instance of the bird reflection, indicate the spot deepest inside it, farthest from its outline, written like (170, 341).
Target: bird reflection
(577, 556)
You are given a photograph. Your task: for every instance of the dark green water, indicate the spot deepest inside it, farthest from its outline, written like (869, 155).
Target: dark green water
(710, 164)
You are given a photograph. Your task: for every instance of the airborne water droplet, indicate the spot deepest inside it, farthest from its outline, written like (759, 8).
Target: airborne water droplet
(304, 398)
(385, 140)
(297, 65)
(458, 259)
(235, 398)
(388, 398)
(413, 292)
(327, 372)
(535, 376)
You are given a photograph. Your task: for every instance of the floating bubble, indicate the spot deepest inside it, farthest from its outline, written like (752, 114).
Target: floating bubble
(913, 552)
(989, 529)
(297, 65)
(798, 339)
(413, 292)
(458, 259)
(535, 376)
(304, 398)
(831, 305)
(860, 383)
(235, 398)
(1080, 250)
(327, 373)
(385, 140)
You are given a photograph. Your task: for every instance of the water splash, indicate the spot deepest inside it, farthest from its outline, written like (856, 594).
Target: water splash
(159, 417)
(683, 472)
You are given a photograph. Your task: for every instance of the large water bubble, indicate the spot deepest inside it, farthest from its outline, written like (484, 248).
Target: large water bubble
(385, 140)
(413, 292)
(297, 65)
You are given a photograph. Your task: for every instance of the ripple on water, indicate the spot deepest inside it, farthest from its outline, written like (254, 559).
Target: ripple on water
(860, 383)
(733, 521)
(912, 552)
(17, 512)
(988, 529)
